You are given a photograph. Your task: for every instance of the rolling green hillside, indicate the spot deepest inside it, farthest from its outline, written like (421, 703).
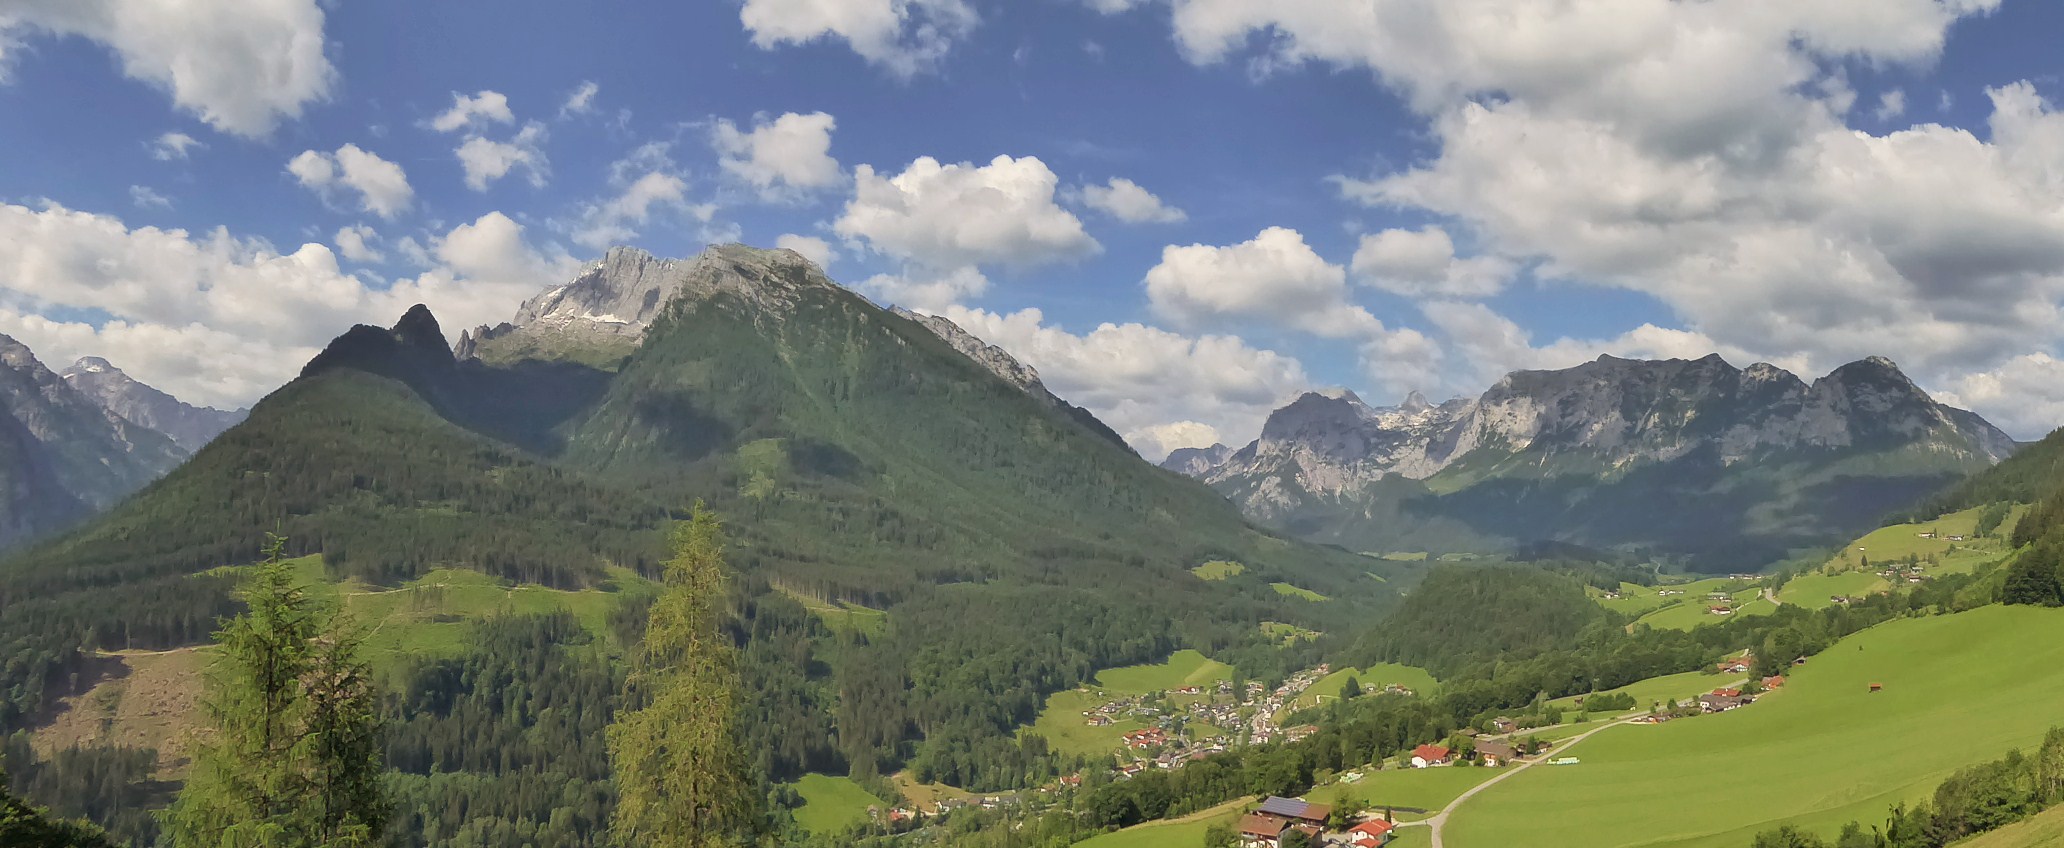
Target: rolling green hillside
(1821, 752)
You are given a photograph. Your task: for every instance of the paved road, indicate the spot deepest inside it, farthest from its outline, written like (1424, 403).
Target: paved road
(1440, 820)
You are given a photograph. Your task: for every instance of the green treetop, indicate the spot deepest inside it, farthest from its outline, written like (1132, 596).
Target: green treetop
(679, 773)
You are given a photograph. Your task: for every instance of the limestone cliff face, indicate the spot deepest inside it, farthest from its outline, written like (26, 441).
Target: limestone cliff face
(605, 310)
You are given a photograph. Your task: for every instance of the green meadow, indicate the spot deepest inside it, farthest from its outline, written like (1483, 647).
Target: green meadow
(1185, 832)
(2043, 831)
(1290, 591)
(1371, 679)
(1426, 789)
(1218, 570)
(1845, 575)
(1822, 751)
(1183, 668)
(429, 616)
(832, 804)
(1674, 687)
(1068, 732)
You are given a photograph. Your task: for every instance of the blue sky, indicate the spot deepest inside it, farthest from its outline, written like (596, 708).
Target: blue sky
(1381, 194)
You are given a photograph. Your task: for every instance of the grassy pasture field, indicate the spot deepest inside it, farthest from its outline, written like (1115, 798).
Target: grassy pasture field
(1287, 634)
(1065, 728)
(1958, 690)
(1843, 575)
(832, 804)
(1426, 789)
(1185, 832)
(1674, 687)
(1372, 679)
(1183, 668)
(1693, 611)
(2043, 831)
(429, 616)
(1290, 591)
(1634, 598)
(1218, 570)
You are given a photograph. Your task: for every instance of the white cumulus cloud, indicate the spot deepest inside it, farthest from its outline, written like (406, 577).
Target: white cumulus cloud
(485, 161)
(780, 157)
(903, 36)
(355, 243)
(172, 146)
(220, 320)
(242, 66)
(381, 186)
(1274, 277)
(1422, 263)
(1125, 200)
(1149, 384)
(486, 107)
(145, 198)
(581, 101)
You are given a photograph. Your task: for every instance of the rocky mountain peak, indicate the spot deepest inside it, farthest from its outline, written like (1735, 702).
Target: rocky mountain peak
(188, 426)
(16, 355)
(418, 329)
(610, 303)
(1414, 402)
(1195, 462)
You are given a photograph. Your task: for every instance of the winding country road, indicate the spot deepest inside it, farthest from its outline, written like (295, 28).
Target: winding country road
(1440, 820)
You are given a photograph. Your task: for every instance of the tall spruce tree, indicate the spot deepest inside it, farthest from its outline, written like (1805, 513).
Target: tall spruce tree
(680, 775)
(295, 754)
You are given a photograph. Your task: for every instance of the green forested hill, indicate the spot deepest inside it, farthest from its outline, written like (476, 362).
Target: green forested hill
(1015, 548)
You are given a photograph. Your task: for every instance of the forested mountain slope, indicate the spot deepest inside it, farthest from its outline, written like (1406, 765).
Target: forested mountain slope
(857, 456)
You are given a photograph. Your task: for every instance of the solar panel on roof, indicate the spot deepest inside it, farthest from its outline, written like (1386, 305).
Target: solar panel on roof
(1289, 807)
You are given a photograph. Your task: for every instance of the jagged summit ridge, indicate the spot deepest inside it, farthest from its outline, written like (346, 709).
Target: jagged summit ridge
(1601, 420)
(987, 355)
(610, 304)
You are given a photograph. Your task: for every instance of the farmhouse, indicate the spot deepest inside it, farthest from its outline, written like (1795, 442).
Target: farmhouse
(1426, 756)
(1720, 610)
(1099, 720)
(1718, 703)
(1264, 828)
(1495, 753)
(1738, 665)
(1773, 682)
(1502, 724)
(1370, 834)
(1260, 830)
(1300, 732)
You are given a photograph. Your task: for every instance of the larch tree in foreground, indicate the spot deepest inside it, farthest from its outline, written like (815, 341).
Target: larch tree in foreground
(294, 756)
(679, 774)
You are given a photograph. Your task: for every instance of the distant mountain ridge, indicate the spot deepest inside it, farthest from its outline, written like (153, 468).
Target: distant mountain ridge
(63, 455)
(1674, 456)
(190, 427)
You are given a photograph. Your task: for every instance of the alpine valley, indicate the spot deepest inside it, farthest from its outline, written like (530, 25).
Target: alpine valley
(963, 609)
